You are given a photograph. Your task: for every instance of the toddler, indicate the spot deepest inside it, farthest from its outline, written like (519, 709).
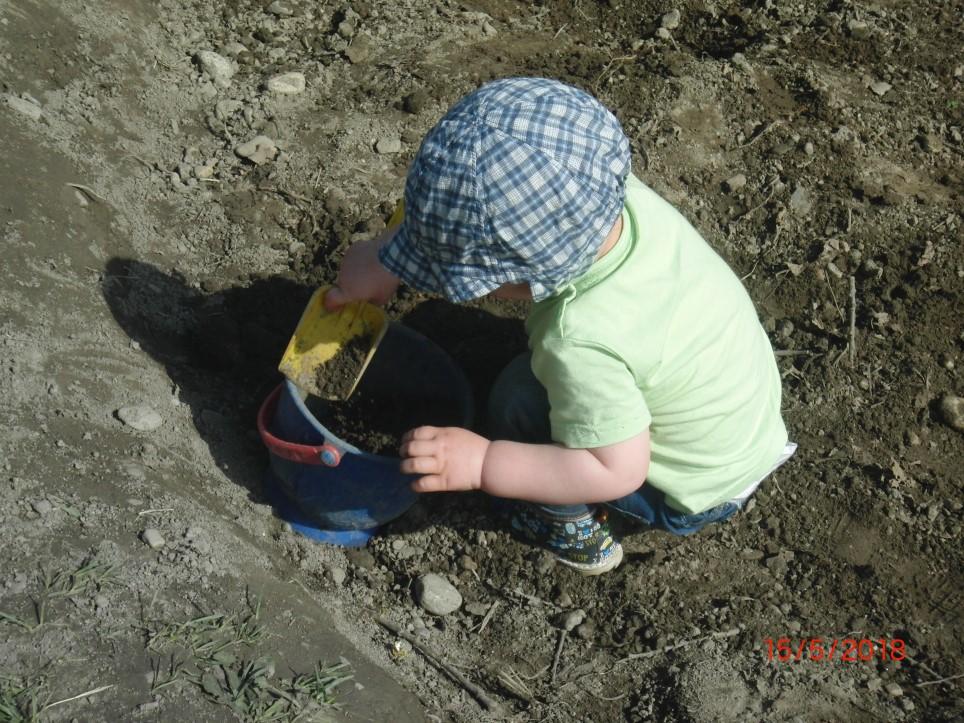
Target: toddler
(650, 386)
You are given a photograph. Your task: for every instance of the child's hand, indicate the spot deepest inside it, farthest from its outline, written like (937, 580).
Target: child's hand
(448, 458)
(362, 277)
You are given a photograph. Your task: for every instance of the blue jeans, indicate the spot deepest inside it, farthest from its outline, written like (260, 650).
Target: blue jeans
(519, 411)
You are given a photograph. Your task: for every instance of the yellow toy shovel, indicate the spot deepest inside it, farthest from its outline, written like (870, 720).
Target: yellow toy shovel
(330, 350)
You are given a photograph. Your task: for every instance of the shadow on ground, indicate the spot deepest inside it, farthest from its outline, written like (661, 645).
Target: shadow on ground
(221, 349)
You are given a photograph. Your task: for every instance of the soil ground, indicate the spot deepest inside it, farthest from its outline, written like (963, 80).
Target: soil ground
(153, 268)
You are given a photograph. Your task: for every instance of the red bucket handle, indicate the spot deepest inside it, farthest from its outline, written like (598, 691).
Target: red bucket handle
(325, 454)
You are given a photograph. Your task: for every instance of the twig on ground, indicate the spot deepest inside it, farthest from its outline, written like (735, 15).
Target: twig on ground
(480, 695)
(793, 352)
(764, 202)
(89, 693)
(286, 194)
(555, 663)
(87, 190)
(853, 321)
(612, 61)
(151, 512)
(559, 31)
(488, 616)
(758, 136)
(686, 643)
(941, 680)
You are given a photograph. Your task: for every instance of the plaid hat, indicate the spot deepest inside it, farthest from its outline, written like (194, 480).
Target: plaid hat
(521, 181)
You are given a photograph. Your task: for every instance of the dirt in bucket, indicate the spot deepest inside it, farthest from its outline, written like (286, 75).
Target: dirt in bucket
(375, 422)
(335, 378)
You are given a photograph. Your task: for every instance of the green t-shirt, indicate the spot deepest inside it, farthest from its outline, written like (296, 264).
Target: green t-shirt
(660, 333)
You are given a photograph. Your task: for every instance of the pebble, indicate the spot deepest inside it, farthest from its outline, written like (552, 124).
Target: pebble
(215, 65)
(436, 595)
(880, 87)
(874, 684)
(153, 538)
(952, 411)
(41, 507)
(735, 183)
(800, 201)
(280, 9)
(858, 28)
(258, 150)
(894, 690)
(670, 20)
(140, 417)
(476, 608)
(24, 107)
(663, 33)
(337, 574)
(586, 631)
(227, 108)
(808, 148)
(291, 83)
(388, 144)
(360, 49)
(570, 619)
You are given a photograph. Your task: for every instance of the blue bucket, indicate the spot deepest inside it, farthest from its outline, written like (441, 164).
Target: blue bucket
(331, 490)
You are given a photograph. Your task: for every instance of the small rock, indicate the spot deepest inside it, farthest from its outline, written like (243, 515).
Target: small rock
(749, 554)
(808, 148)
(670, 20)
(437, 595)
(467, 563)
(570, 619)
(952, 411)
(227, 108)
(894, 690)
(151, 706)
(858, 28)
(361, 558)
(907, 704)
(663, 33)
(153, 538)
(337, 574)
(41, 507)
(215, 65)
(735, 183)
(586, 631)
(280, 9)
(388, 144)
(346, 29)
(477, 609)
(291, 83)
(778, 563)
(874, 684)
(258, 150)
(800, 201)
(360, 49)
(24, 107)
(880, 88)
(142, 418)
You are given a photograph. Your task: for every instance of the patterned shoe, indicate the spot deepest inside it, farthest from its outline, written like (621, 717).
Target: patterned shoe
(583, 543)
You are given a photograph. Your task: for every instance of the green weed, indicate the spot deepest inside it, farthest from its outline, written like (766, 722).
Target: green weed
(22, 701)
(89, 575)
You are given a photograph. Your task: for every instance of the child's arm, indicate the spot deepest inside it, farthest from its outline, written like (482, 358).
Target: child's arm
(361, 276)
(453, 459)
